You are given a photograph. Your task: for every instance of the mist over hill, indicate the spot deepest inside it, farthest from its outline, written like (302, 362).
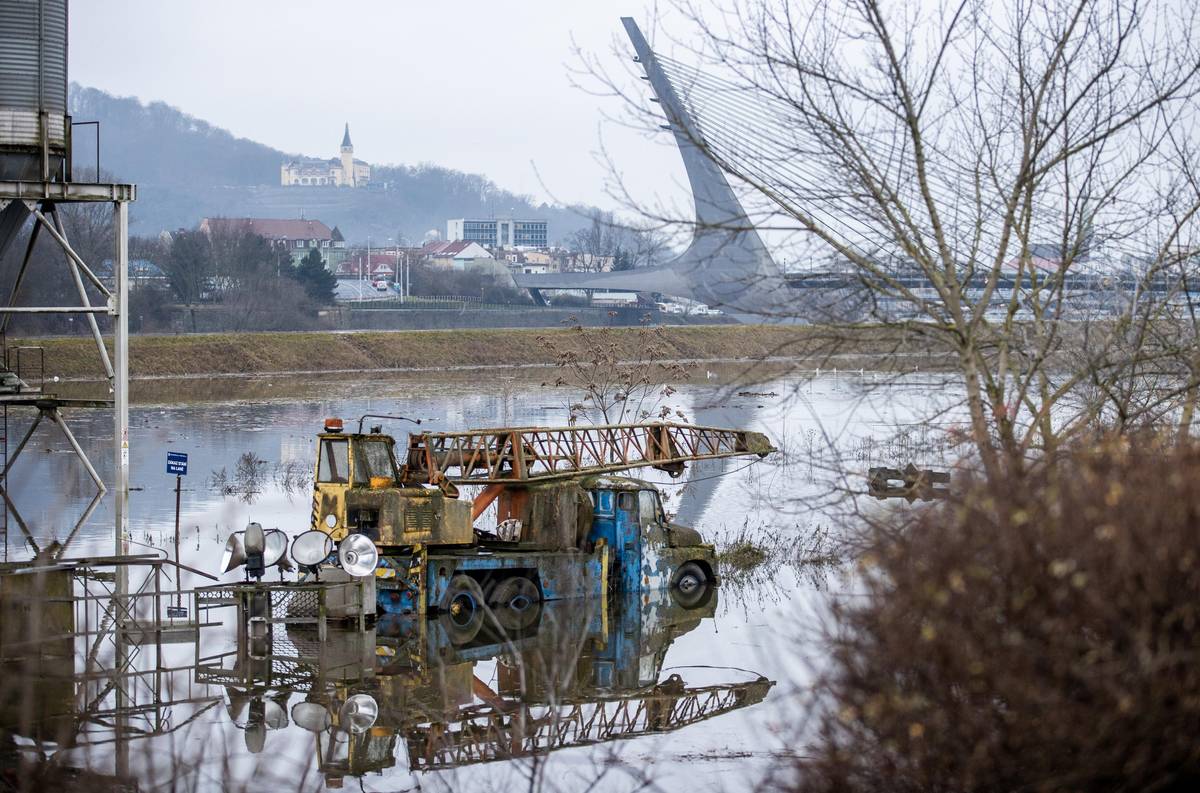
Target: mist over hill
(186, 169)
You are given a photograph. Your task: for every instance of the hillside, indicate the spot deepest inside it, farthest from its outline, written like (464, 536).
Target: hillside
(185, 169)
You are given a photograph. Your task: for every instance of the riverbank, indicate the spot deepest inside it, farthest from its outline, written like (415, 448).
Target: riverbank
(255, 354)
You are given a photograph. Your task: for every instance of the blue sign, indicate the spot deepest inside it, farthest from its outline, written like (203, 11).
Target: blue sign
(177, 463)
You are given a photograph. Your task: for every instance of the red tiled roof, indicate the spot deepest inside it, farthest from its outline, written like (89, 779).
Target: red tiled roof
(272, 228)
(444, 248)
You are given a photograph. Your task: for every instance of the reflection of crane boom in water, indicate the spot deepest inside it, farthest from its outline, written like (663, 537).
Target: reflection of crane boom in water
(484, 733)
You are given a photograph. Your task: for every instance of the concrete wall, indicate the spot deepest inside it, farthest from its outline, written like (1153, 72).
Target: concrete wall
(419, 319)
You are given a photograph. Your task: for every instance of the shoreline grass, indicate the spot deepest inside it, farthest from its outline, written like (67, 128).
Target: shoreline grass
(167, 356)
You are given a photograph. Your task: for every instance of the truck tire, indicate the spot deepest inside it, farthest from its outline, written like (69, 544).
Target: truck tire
(518, 594)
(462, 609)
(690, 586)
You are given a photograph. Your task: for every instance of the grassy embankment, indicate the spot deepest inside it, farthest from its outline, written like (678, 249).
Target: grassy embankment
(239, 354)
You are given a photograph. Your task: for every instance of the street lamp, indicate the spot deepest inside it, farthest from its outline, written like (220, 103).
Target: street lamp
(396, 274)
(361, 289)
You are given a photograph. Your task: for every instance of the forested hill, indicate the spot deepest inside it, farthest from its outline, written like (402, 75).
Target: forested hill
(186, 169)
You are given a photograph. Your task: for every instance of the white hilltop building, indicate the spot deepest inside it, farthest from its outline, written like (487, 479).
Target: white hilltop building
(341, 171)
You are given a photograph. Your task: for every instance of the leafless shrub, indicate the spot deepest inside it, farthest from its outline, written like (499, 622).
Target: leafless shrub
(607, 382)
(1035, 633)
(752, 559)
(292, 476)
(247, 480)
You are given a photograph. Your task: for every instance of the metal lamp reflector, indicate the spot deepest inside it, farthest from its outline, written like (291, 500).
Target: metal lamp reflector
(358, 714)
(276, 546)
(235, 553)
(358, 555)
(311, 716)
(256, 541)
(274, 716)
(311, 548)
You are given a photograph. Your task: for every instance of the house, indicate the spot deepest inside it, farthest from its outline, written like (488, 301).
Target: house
(380, 266)
(297, 236)
(340, 171)
(460, 255)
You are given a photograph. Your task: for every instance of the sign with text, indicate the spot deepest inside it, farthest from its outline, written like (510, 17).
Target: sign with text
(177, 463)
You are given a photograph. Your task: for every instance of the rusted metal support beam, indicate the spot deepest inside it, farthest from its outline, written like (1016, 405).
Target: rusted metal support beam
(484, 500)
(60, 236)
(75, 265)
(57, 418)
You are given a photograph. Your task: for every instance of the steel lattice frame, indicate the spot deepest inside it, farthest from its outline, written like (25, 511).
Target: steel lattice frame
(534, 454)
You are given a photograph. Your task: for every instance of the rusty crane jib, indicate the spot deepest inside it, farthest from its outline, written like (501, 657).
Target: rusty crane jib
(483, 733)
(517, 454)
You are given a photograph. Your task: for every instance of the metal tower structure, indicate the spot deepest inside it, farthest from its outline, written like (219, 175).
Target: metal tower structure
(36, 179)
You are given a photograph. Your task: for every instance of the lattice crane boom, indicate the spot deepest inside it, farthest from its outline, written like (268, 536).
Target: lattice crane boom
(512, 455)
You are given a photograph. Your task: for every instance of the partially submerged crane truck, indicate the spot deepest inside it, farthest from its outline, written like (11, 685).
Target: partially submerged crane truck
(565, 525)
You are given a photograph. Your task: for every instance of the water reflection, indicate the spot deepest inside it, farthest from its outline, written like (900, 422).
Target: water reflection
(577, 673)
(574, 678)
(102, 690)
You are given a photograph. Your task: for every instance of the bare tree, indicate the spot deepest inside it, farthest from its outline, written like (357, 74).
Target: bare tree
(982, 168)
(610, 242)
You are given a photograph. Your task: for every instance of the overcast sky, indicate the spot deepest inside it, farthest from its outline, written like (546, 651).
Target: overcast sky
(474, 85)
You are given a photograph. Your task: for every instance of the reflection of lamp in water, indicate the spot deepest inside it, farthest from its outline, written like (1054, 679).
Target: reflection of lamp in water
(275, 714)
(236, 701)
(311, 716)
(358, 713)
(255, 715)
(255, 735)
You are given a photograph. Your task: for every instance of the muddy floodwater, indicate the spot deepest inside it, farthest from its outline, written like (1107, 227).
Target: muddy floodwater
(611, 694)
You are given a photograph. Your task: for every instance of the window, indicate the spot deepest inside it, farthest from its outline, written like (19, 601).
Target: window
(625, 501)
(648, 510)
(372, 458)
(335, 461)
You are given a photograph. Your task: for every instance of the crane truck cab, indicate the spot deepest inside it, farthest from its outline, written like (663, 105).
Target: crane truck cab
(648, 551)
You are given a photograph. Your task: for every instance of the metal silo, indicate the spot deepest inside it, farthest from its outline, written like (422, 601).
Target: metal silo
(34, 129)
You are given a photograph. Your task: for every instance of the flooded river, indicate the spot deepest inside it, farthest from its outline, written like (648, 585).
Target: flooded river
(612, 694)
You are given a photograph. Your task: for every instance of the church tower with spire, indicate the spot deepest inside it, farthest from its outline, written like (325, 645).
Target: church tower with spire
(340, 171)
(348, 159)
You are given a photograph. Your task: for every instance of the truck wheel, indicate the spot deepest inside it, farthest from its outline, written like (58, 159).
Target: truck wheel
(690, 585)
(517, 593)
(462, 609)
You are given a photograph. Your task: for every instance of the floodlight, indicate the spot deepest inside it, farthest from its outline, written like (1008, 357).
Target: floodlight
(357, 555)
(256, 545)
(274, 716)
(276, 547)
(255, 737)
(236, 703)
(311, 716)
(311, 548)
(358, 713)
(255, 539)
(235, 553)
